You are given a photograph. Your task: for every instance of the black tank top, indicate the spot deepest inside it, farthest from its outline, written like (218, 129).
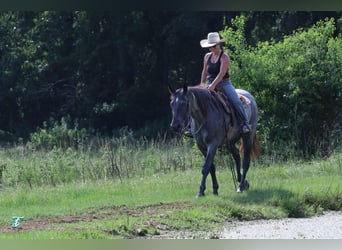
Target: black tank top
(214, 69)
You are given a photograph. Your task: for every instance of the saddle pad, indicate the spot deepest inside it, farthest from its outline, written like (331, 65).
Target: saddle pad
(246, 103)
(244, 99)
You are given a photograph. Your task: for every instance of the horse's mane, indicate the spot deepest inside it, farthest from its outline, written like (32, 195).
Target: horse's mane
(204, 98)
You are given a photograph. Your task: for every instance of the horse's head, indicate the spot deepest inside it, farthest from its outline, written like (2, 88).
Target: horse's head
(180, 108)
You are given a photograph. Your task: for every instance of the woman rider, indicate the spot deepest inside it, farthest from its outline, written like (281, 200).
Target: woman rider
(215, 73)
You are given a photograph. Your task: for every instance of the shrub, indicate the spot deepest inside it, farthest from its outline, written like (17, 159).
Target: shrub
(297, 83)
(57, 134)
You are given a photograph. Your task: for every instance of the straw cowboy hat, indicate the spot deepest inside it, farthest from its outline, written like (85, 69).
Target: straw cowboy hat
(213, 39)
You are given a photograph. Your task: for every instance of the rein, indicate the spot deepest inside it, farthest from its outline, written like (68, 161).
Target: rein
(199, 129)
(194, 108)
(234, 176)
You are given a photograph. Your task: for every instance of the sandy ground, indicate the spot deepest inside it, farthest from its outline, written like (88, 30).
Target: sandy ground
(326, 226)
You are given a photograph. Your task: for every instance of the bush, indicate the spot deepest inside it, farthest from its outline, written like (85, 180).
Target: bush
(297, 83)
(57, 134)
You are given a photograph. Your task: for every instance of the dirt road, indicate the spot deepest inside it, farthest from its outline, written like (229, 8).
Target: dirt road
(326, 226)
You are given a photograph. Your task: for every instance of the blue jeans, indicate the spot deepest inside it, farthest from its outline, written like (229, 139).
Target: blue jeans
(234, 100)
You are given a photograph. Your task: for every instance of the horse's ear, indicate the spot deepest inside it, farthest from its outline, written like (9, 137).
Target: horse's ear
(171, 90)
(185, 88)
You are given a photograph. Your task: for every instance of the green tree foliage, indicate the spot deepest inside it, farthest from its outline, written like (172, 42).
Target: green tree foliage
(264, 26)
(106, 70)
(34, 51)
(297, 82)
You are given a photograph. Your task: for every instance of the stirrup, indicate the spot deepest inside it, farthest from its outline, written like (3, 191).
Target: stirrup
(188, 133)
(246, 129)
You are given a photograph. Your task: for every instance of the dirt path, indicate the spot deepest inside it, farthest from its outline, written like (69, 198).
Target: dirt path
(102, 213)
(327, 226)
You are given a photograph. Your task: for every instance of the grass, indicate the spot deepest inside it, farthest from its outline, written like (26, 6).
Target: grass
(161, 202)
(128, 188)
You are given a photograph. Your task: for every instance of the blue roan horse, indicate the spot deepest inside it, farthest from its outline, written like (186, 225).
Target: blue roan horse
(213, 125)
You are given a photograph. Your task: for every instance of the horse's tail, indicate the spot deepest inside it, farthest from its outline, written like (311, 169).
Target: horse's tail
(256, 148)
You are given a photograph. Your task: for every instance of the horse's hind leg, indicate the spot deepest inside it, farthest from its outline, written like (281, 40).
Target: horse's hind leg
(245, 164)
(236, 156)
(214, 179)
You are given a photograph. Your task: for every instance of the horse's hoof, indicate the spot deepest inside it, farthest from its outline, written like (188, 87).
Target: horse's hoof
(199, 195)
(215, 193)
(243, 187)
(246, 186)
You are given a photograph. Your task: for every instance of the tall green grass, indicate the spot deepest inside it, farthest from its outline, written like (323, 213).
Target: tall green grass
(115, 174)
(102, 159)
(280, 191)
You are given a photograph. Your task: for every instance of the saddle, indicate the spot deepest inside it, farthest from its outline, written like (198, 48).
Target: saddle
(221, 95)
(223, 99)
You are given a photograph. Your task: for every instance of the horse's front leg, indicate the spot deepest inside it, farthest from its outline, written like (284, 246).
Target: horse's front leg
(207, 168)
(214, 179)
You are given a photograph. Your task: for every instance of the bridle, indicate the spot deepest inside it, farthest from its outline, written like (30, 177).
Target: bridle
(189, 115)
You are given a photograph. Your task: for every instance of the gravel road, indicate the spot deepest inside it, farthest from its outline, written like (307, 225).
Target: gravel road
(326, 226)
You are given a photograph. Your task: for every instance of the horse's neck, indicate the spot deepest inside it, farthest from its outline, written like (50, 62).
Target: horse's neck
(195, 110)
(200, 116)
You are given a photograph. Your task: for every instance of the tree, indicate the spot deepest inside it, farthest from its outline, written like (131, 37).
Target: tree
(297, 82)
(106, 70)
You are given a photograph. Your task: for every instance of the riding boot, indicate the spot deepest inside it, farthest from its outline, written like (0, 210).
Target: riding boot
(245, 126)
